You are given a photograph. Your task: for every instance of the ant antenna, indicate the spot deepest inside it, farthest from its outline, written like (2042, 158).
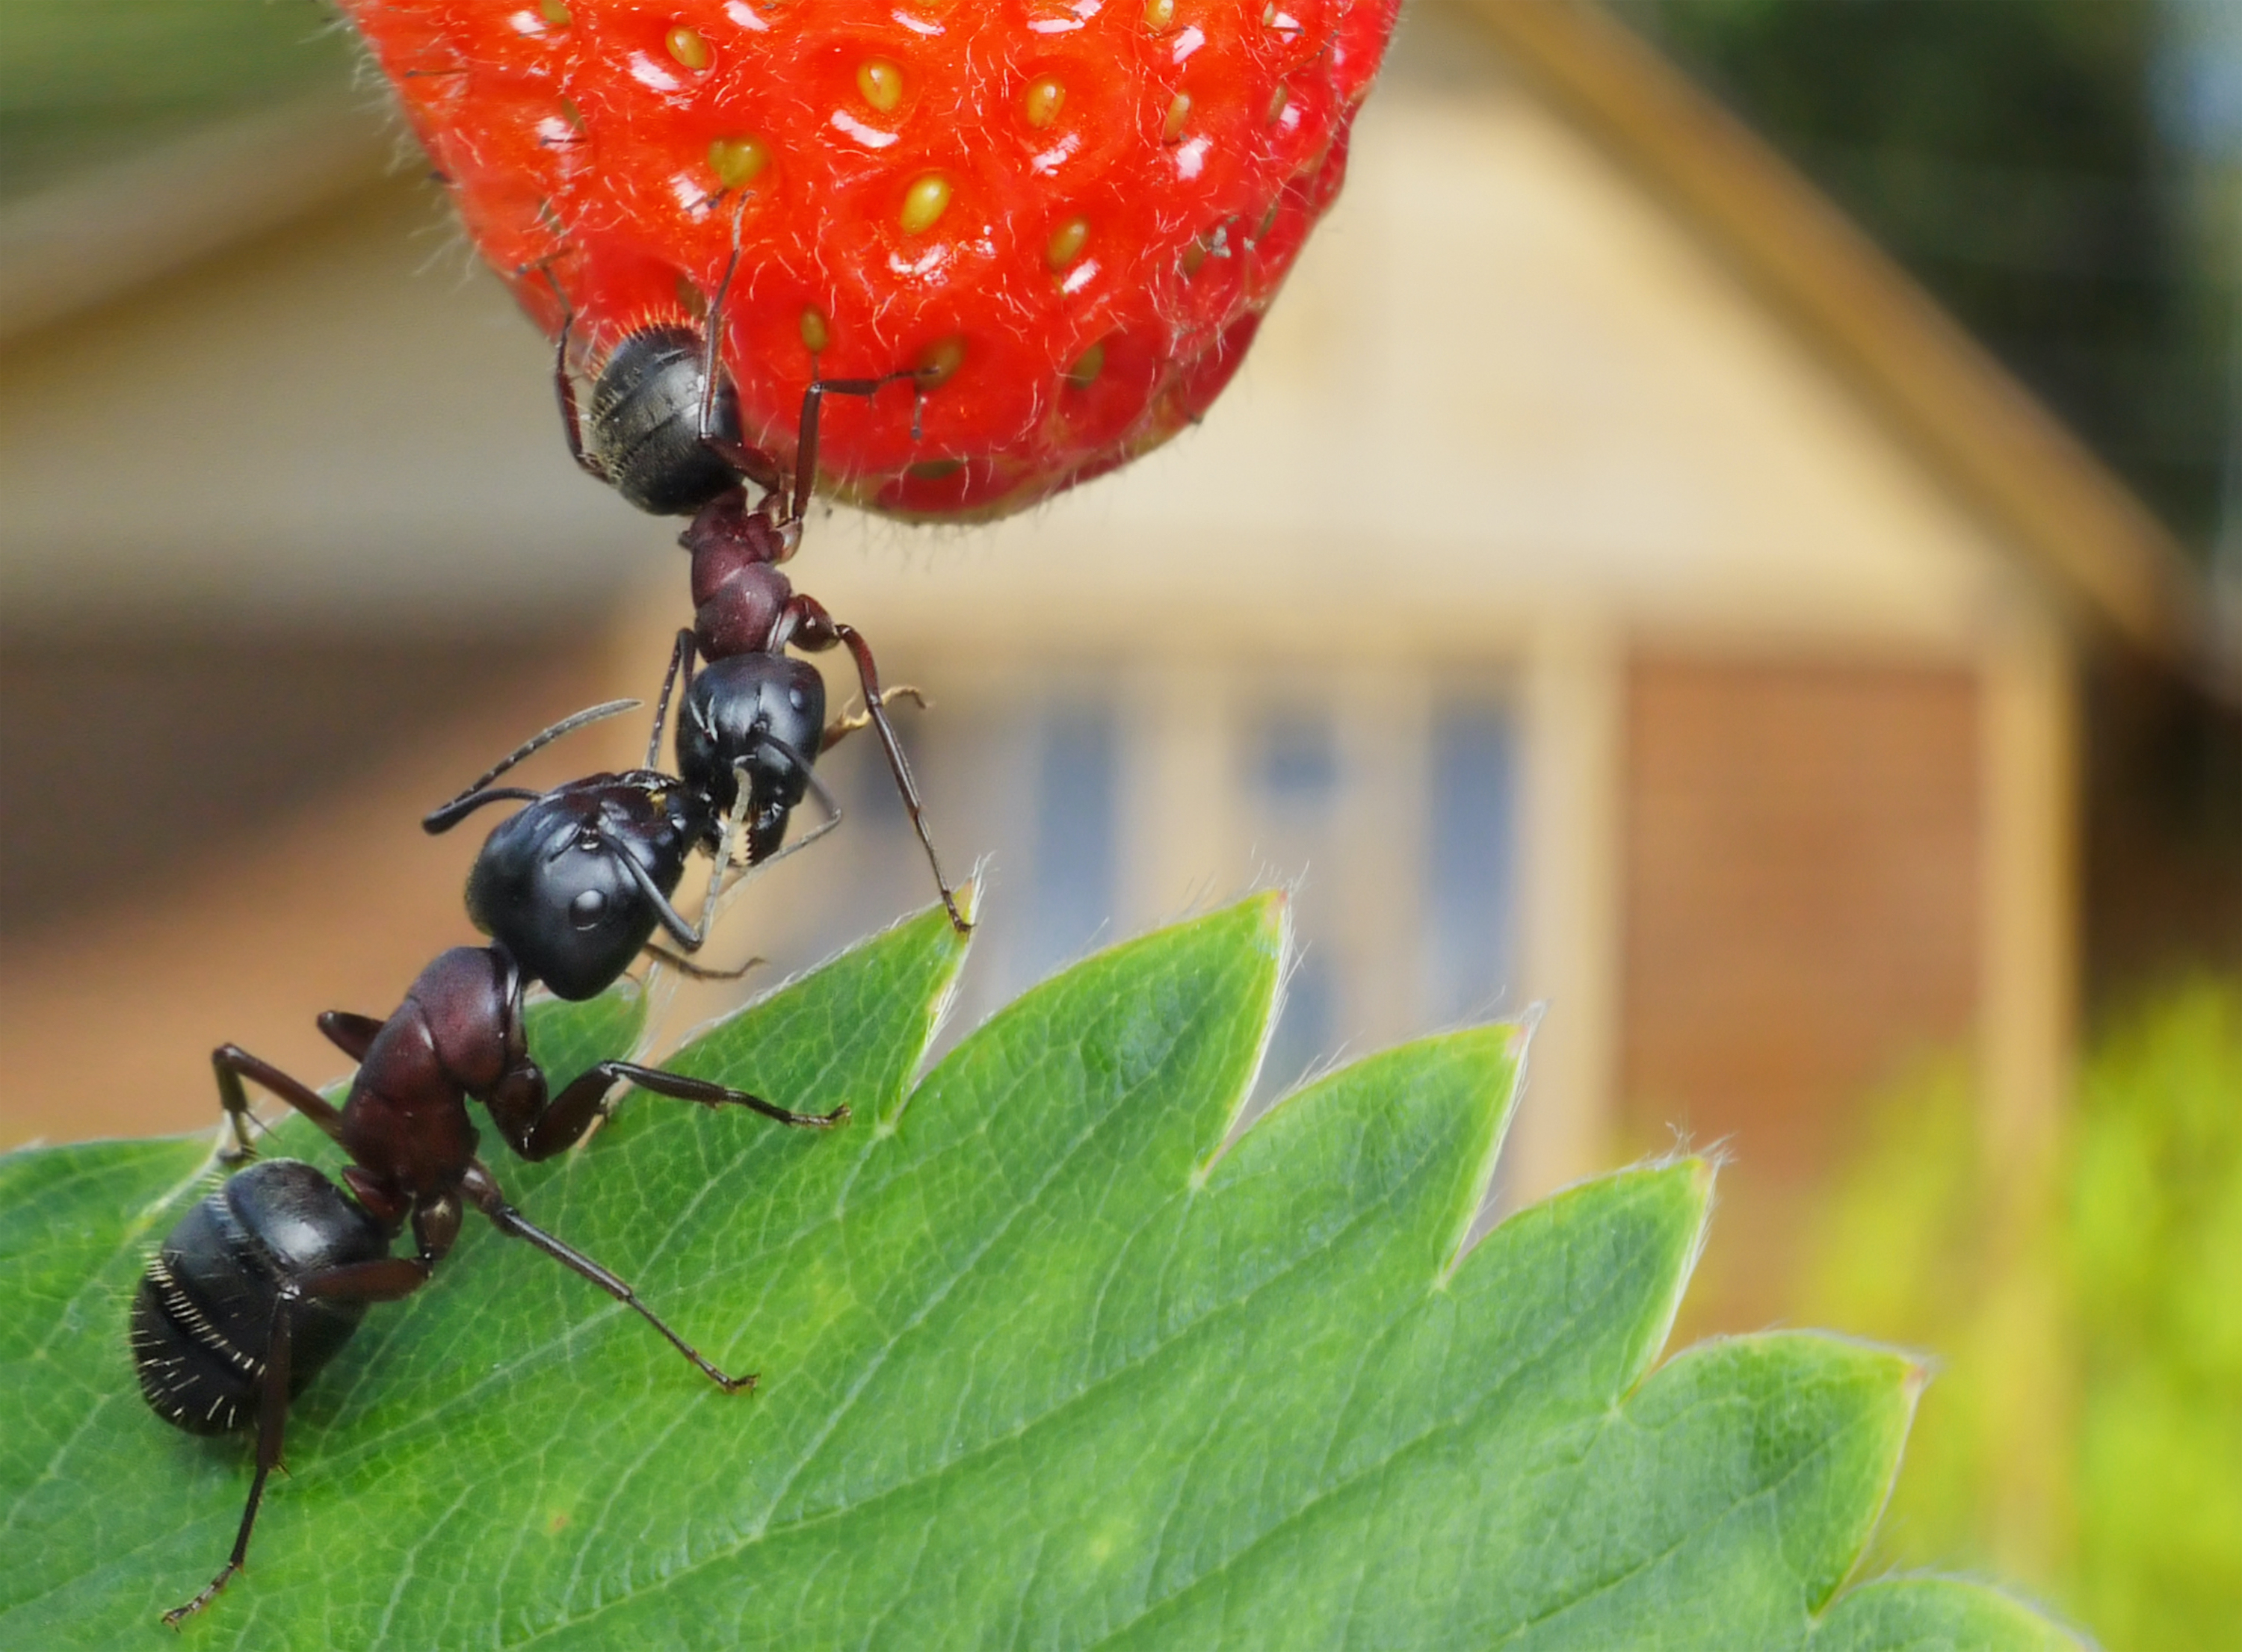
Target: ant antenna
(446, 815)
(681, 661)
(693, 971)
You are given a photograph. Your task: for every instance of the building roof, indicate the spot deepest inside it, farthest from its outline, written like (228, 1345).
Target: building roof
(1939, 390)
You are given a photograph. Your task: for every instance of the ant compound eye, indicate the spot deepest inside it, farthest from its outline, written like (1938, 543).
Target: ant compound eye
(588, 908)
(797, 699)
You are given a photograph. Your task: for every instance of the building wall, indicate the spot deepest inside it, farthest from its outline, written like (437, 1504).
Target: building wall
(1802, 853)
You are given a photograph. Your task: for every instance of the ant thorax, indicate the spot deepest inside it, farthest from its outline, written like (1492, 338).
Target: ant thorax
(738, 591)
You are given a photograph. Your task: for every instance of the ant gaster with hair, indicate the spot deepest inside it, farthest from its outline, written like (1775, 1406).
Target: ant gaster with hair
(664, 430)
(263, 1281)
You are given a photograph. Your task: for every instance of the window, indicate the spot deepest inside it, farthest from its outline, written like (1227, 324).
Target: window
(1470, 894)
(1077, 850)
(1299, 762)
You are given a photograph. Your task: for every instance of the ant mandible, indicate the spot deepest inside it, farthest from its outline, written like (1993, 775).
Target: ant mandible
(664, 431)
(261, 1284)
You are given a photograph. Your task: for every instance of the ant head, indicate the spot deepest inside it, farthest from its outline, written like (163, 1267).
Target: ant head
(761, 714)
(645, 428)
(572, 885)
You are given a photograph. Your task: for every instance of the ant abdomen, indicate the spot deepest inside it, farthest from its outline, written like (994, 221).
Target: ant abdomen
(201, 1319)
(645, 428)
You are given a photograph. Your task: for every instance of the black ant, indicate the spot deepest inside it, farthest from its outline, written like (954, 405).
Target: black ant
(664, 431)
(261, 1284)
(574, 886)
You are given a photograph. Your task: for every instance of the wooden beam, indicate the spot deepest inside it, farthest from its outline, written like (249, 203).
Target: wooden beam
(1568, 882)
(2029, 916)
(2027, 1010)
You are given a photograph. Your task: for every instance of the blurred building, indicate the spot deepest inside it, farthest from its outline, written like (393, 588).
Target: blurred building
(1610, 587)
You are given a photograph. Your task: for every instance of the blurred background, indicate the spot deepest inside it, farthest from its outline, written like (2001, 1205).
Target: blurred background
(1730, 542)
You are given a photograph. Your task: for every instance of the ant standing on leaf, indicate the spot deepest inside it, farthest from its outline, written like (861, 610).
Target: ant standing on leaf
(261, 1283)
(664, 431)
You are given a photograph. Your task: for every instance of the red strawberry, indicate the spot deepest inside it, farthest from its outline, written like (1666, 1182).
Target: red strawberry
(1079, 208)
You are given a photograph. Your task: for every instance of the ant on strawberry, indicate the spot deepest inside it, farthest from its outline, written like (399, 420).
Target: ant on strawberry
(261, 1284)
(664, 431)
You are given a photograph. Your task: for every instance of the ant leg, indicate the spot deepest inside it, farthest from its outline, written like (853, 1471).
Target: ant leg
(680, 664)
(232, 1064)
(678, 1087)
(841, 728)
(805, 442)
(751, 463)
(352, 1035)
(386, 1280)
(564, 390)
(479, 792)
(826, 801)
(691, 971)
(483, 1189)
(568, 1117)
(712, 337)
(812, 628)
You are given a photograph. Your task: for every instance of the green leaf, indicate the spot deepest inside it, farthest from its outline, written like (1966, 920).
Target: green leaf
(1043, 1364)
